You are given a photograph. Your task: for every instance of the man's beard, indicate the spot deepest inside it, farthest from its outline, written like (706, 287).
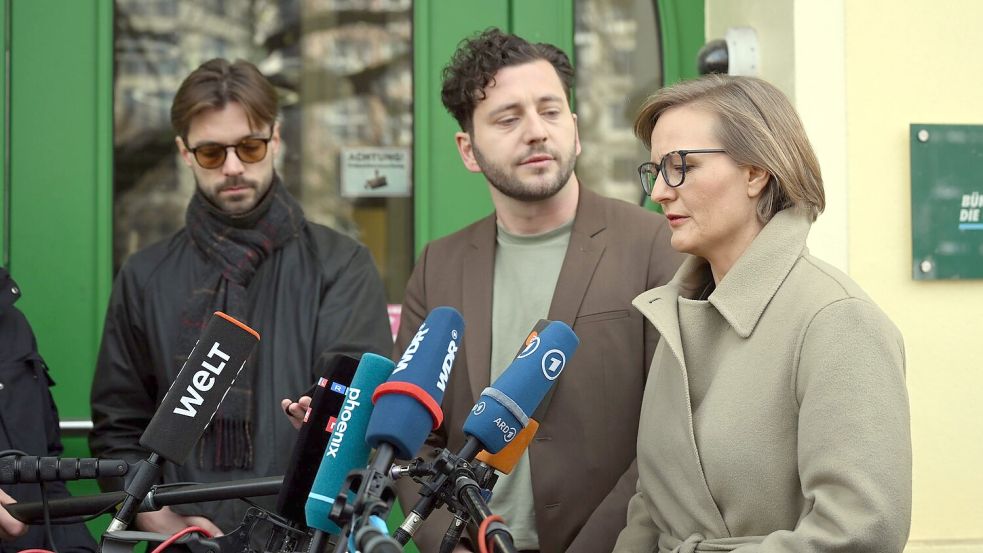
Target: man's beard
(508, 183)
(230, 206)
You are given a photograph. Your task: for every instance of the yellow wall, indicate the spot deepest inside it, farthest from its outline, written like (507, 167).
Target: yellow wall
(794, 35)
(859, 71)
(919, 62)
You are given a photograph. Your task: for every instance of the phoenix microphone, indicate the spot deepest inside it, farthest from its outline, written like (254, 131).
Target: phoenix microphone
(407, 408)
(190, 404)
(504, 408)
(346, 449)
(312, 439)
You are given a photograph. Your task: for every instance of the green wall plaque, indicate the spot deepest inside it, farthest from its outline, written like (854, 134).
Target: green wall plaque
(946, 201)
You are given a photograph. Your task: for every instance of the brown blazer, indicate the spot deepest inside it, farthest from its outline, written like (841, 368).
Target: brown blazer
(583, 457)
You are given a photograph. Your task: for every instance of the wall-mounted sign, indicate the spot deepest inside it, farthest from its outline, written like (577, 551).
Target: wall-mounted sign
(946, 201)
(375, 172)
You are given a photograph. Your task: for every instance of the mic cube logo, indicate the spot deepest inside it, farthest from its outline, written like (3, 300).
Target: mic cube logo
(339, 427)
(479, 408)
(411, 349)
(331, 422)
(445, 367)
(530, 348)
(508, 432)
(339, 388)
(202, 381)
(553, 362)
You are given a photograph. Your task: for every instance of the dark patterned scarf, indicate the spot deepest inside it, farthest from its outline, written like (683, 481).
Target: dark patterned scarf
(235, 247)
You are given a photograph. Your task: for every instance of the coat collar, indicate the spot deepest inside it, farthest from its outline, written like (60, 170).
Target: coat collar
(742, 296)
(752, 282)
(583, 253)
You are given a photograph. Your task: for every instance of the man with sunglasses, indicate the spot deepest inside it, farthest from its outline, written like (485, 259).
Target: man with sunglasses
(246, 250)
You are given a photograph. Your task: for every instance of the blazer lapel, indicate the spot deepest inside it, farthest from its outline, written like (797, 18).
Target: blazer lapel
(583, 254)
(479, 270)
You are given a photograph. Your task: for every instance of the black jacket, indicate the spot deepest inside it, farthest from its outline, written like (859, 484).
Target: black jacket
(317, 296)
(29, 419)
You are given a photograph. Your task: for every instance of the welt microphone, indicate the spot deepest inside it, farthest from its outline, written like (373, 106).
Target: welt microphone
(190, 404)
(312, 438)
(346, 449)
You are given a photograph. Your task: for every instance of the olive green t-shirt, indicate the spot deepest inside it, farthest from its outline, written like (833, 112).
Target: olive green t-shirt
(526, 271)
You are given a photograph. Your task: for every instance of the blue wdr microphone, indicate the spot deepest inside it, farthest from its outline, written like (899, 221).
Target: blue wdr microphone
(346, 448)
(503, 409)
(407, 407)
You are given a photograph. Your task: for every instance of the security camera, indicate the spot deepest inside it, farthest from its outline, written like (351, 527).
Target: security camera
(735, 54)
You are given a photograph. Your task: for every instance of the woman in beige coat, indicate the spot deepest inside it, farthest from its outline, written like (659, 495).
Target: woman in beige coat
(775, 417)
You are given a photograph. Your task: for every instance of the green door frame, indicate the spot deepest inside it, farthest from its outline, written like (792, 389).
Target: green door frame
(59, 181)
(56, 213)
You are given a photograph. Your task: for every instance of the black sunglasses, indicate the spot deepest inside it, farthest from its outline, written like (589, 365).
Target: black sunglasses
(672, 166)
(249, 150)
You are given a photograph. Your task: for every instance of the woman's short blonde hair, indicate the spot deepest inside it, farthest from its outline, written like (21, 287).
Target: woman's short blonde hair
(758, 126)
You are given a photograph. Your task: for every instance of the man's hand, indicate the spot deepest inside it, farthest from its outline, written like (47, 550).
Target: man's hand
(296, 410)
(167, 522)
(10, 527)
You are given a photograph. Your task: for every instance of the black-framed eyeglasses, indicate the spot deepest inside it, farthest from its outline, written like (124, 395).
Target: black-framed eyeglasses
(672, 166)
(248, 150)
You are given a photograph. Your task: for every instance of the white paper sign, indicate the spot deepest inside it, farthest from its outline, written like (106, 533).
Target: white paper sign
(375, 172)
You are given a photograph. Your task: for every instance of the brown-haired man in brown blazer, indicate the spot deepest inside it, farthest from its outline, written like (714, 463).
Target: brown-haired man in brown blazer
(511, 99)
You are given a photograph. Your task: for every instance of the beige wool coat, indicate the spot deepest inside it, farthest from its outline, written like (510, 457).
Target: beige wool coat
(801, 440)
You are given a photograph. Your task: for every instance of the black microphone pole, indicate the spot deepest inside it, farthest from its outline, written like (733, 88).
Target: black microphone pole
(157, 497)
(470, 496)
(453, 534)
(28, 469)
(148, 473)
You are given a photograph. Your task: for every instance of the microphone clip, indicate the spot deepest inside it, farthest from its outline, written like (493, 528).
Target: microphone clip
(437, 483)
(374, 493)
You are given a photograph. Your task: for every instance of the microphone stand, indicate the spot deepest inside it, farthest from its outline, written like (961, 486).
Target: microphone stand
(147, 474)
(157, 497)
(453, 534)
(375, 495)
(438, 489)
(470, 495)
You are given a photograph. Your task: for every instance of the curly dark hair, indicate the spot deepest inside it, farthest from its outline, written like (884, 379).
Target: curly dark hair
(478, 58)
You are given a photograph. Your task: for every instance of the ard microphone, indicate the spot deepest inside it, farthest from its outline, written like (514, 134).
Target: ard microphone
(189, 405)
(504, 408)
(312, 438)
(506, 459)
(346, 449)
(407, 407)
